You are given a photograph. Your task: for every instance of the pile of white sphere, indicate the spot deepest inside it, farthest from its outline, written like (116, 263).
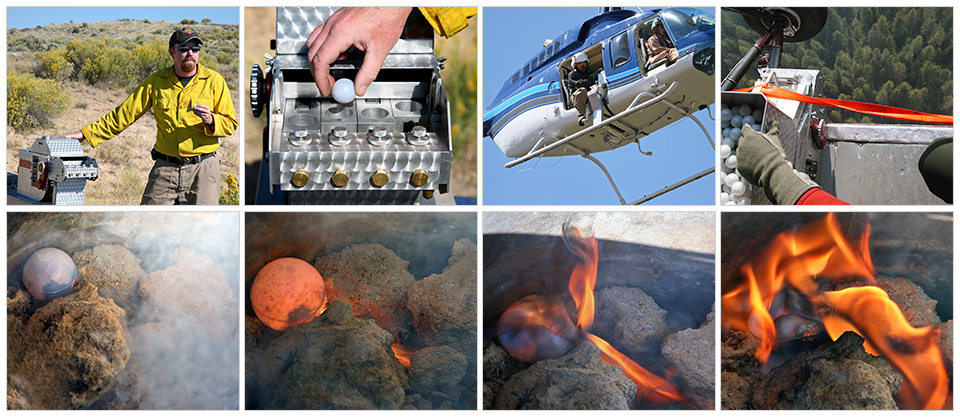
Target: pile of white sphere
(734, 190)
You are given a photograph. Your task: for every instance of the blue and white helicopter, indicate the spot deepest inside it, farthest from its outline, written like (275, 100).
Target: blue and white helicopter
(532, 115)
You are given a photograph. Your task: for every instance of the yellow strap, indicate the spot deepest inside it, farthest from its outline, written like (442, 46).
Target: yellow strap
(447, 21)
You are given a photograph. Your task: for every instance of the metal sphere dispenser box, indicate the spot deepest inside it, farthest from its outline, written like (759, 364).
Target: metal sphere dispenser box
(390, 146)
(53, 171)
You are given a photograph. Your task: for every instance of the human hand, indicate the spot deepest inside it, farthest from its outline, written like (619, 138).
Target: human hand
(373, 30)
(204, 112)
(78, 136)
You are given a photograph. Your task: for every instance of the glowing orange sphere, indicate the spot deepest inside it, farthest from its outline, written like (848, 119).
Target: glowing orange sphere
(49, 273)
(286, 292)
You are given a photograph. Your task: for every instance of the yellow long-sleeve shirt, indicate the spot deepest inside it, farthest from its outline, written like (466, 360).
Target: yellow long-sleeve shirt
(447, 21)
(180, 132)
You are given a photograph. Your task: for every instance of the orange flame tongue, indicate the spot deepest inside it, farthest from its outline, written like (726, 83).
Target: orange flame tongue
(403, 354)
(650, 387)
(583, 279)
(797, 259)
(869, 312)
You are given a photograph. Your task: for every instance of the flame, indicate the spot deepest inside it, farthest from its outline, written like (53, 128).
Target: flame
(795, 259)
(537, 327)
(802, 260)
(869, 312)
(650, 387)
(583, 279)
(403, 354)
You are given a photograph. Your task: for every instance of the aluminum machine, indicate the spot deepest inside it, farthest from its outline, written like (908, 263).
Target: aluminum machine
(390, 146)
(858, 163)
(53, 171)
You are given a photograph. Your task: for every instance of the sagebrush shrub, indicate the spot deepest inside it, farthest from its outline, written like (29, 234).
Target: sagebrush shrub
(33, 102)
(53, 64)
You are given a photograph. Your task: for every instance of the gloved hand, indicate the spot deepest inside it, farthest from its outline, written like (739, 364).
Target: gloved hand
(762, 161)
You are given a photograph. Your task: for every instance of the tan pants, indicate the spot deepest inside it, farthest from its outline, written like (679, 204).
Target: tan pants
(580, 101)
(170, 183)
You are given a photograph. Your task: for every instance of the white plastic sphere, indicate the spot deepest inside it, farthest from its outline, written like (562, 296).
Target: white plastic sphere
(725, 188)
(726, 114)
(730, 203)
(748, 120)
(731, 162)
(724, 169)
(724, 151)
(757, 114)
(756, 127)
(743, 201)
(736, 121)
(745, 110)
(724, 198)
(731, 179)
(344, 91)
(738, 188)
(725, 133)
(729, 142)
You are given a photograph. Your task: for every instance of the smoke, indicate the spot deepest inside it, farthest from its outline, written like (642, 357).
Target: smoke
(181, 322)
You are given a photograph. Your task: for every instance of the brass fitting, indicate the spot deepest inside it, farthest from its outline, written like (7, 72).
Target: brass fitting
(300, 178)
(340, 178)
(428, 194)
(419, 178)
(380, 178)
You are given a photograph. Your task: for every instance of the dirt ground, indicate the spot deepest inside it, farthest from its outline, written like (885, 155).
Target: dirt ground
(259, 28)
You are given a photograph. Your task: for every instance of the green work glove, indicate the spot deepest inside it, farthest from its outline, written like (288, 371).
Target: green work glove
(762, 161)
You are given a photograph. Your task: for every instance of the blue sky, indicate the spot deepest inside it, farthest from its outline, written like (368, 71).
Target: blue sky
(24, 17)
(510, 37)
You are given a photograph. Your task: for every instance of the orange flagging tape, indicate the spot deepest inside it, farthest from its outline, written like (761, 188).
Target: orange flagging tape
(866, 108)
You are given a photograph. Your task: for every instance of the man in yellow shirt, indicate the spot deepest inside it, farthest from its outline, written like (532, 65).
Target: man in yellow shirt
(193, 109)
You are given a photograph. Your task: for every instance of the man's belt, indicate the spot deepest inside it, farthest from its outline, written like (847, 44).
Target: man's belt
(180, 160)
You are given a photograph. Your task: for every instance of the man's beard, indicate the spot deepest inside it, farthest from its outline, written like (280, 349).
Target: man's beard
(187, 67)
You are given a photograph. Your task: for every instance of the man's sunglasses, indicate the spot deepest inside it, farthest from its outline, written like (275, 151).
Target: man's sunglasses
(195, 48)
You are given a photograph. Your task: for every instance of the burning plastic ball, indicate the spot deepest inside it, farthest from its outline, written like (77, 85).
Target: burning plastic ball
(536, 328)
(287, 292)
(49, 273)
(344, 91)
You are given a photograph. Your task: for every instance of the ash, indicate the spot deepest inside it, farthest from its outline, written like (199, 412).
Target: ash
(126, 339)
(824, 375)
(343, 359)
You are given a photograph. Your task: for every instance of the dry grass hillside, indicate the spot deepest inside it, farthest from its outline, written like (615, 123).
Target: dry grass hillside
(260, 27)
(124, 160)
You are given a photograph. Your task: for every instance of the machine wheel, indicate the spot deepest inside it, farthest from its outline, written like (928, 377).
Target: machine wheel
(256, 90)
(798, 23)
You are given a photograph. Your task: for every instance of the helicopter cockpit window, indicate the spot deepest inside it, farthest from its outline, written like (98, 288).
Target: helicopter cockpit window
(682, 22)
(515, 77)
(620, 49)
